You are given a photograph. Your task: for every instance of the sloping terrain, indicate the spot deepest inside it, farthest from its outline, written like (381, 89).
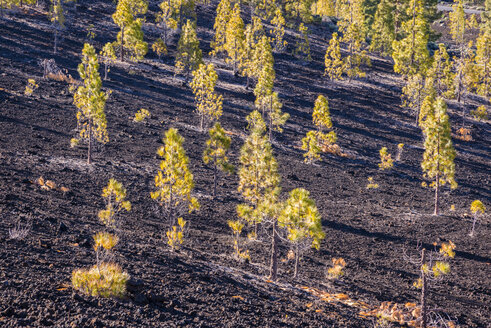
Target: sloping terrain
(202, 285)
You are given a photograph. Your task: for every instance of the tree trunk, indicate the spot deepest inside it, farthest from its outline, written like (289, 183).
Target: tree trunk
(473, 225)
(215, 178)
(437, 187)
(89, 151)
(295, 273)
(121, 50)
(274, 253)
(56, 41)
(105, 71)
(423, 291)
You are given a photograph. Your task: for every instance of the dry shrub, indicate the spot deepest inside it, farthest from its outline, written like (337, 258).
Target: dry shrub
(105, 280)
(464, 134)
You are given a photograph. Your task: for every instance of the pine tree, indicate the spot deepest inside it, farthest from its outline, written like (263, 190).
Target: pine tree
(383, 30)
(189, 55)
(235, 40)
(299, 11)
(174, 181)
(441, 72)
(439, 155)
(221, 20)
(114, 194)
(483, 62)
(57, 20)
(278, 32)
(302, 220)
(208, 102)
(332, 60)
(303, 45)
(258, 173)
(265, 80)
(254, 58)
(259, 184)
(270, 106)
(130, 37)
(321, 116)
(311, 146)
(159, 47)
(411, 54)
(216, 153)
(166, 18)
(108, 55)
(90, 101)
(351, 26)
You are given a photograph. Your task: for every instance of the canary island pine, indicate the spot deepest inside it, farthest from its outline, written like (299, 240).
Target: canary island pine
(438, 159)
(141, 115)
(303, 223)
(278, 31)
(383, 29)
(174, 181)
(114, 194)
(235, 41)
(208, 102)
(108, 56)
(477, 209)
(237, 227)
(270, 106)
(90, 101)
(175, 235)
(302, 47)
(311, 146)
(130, 36)
(189, 55)
(264, 70)
(167, 18)
(334, 66)
(216, 153)
(57, 18)
(220, 27)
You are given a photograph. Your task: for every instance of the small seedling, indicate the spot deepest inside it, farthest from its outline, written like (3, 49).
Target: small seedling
(30, 87)
(371, 184)
(477, 209)
(386, 161)
(141, 115)
(237, 227)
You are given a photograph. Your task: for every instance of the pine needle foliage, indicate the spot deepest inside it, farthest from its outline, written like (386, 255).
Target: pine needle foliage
(477, 209)
(90, 101)
(264, 70)
(174, 181)
(106, 280)
(278, 31)
(383, 29)
(303, 45)
(311, 146)
(208, 102)
(189, 55)
(108, 56)
(302, 221)
(386, 161)
(438, 159)
(270, 105)
(216, 153)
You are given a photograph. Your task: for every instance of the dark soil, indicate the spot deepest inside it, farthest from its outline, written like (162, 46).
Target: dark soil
(202, 285)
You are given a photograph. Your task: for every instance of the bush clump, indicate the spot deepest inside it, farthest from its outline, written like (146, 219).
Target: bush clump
(106, 280)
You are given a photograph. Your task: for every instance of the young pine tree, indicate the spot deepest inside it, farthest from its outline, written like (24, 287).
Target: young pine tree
(57, 20)
(174, 181)
(334, 66)
(235, 40)
(303, 44)
(324, 8)
(208, 102)
(441, 73)
(351, 25)
(410, 53)
(302, 220)
(259, 184)
(311, 146)
(321, 118)
(130, 36)
(321, 115)
(216, 153)
(483, 61)
(189, 56)
(108, 55)
(278, 31)
(220, 27)
(258, 172)
(90, 101)
(114, 194)
(383, 29)
(438, 159)
(261, 67)
(167, 18)
(253, 55)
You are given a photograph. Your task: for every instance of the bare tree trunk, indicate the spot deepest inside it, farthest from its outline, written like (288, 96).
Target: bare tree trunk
(215, 177)
(423, 291)
(274, 253)
(105, 71)
(56, 41)
(437, 187)
(121, 50)
(295, 273)
(89, 151)
(473, 225)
